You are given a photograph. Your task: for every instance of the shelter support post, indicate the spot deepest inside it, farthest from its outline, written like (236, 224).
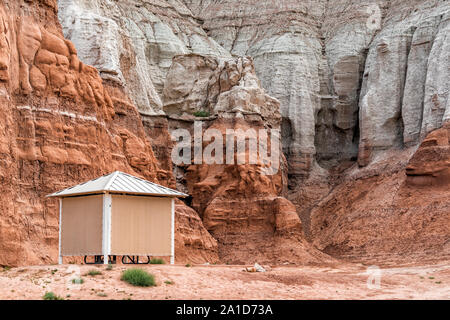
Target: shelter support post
(172, 235)
(60, 259)
(106, 240)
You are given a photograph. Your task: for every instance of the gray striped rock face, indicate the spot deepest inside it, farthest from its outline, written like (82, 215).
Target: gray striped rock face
(404, 93)
(133, 42)
(350, 75)
(353, 77)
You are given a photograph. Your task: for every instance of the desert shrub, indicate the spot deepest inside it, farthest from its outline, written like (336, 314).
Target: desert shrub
(168, 282)
(78, 281)
(94, 272)
(138, 277)
(51, 296)
(109, 267)
(201, 114)
(156, 261)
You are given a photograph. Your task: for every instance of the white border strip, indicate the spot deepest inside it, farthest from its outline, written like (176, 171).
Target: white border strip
(106, 224)
(60, 258)
(172, 235)
(111, 181)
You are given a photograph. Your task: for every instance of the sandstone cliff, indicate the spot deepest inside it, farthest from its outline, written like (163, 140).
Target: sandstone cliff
(162, 56)
(356, 80)
(133, 42)
(358, 88)
(332, 62)
(324, 61)
(62, 125)
(65, 124)
(243, 208)
(353, 77)
(384, 214)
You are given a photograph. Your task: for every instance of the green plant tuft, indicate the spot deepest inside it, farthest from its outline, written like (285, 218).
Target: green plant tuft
(78, 281)
(94, 272)
(138, 277)
(201, 114)
(156, 261)
(51, 296)
(109, 267)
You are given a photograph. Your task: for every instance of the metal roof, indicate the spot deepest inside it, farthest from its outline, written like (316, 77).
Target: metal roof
(119, 182)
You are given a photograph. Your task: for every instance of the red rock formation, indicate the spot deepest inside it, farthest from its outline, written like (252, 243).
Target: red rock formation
(387, 214)
(430, 166)
(60, 126)
(242, 208)
(245, 210)
(193, 243)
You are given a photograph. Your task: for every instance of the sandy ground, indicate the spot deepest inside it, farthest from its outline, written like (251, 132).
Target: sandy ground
(231, 282)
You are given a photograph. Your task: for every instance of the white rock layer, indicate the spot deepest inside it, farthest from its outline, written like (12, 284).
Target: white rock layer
(354, 77)
(311, 55)
(133, 42)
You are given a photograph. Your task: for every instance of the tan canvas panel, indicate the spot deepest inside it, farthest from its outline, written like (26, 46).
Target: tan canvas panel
(81, 232)
(141, 225)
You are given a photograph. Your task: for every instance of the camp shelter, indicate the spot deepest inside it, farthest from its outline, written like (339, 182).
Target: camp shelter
(116, 214)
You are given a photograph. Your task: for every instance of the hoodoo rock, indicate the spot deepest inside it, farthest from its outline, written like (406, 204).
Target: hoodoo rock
(241, 206)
